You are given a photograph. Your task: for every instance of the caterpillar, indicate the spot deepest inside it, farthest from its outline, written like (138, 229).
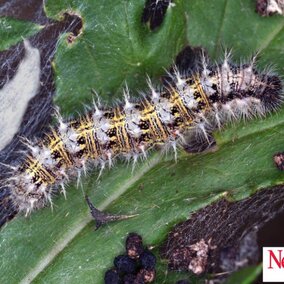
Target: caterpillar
(191, 103)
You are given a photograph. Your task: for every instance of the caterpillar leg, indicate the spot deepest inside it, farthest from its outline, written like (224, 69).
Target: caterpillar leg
(102, 218)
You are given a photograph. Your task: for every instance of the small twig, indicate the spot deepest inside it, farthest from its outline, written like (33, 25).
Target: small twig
(102, 218)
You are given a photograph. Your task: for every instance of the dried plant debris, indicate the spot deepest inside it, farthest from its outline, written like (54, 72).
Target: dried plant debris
(198, 261)
(102, 218)
(154, 12)
(279, 161)
(222, 238)
(183, 281)
(270, 7)
(136, 266)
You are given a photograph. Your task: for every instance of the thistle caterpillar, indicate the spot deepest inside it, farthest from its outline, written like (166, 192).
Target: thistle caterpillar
(191, 104)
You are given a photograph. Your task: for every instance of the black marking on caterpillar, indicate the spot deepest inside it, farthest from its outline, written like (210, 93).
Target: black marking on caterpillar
(193, 103)
(154, 12)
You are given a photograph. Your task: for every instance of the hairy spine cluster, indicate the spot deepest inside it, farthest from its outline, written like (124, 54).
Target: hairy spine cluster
(195, 103)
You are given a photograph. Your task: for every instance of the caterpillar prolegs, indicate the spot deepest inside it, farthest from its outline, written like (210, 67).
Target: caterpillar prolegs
(191, 103)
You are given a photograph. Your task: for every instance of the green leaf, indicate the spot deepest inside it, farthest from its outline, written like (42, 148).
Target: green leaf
(246, 275)
(114, 49)
(12, 31)
(235, 25)
(62, 245)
